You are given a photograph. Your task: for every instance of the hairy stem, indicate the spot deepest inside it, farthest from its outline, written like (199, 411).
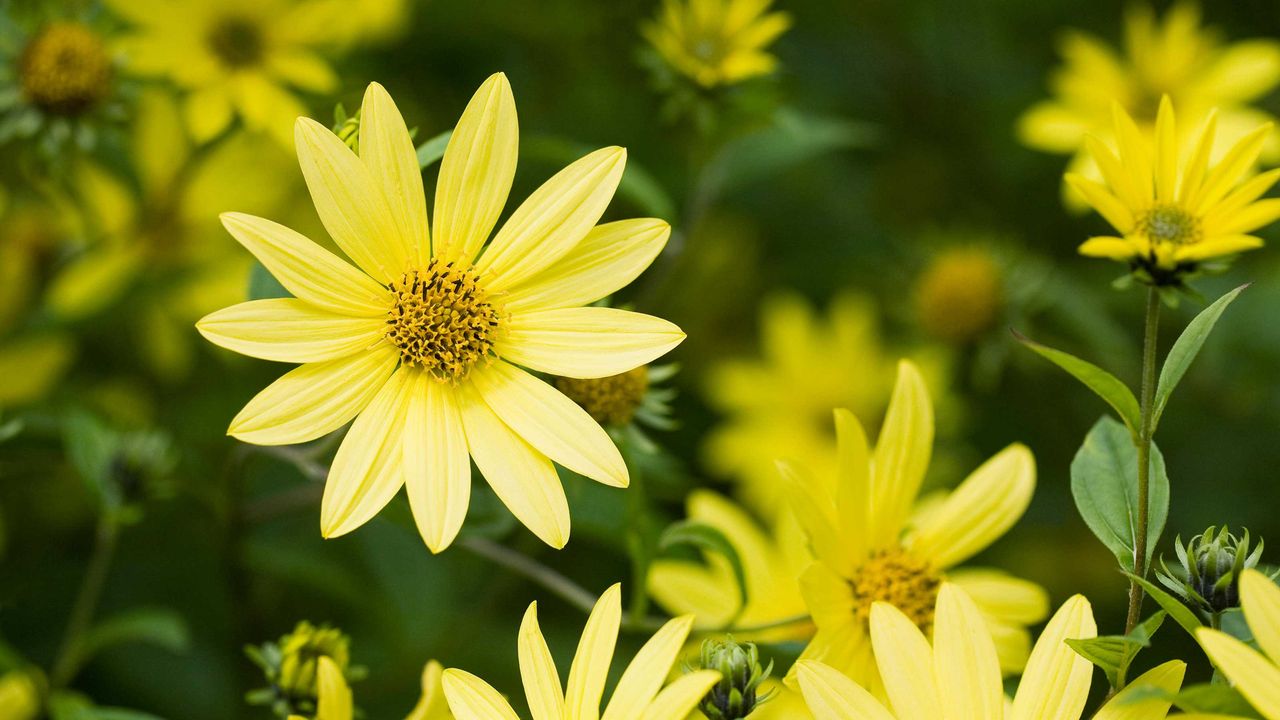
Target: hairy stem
(1149, 339)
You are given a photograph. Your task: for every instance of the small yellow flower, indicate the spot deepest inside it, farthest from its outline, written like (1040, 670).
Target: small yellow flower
(717, 42)
(871, 547)
(1174, 212)
(960, 295)
(639, 694)
(1255, 674)
(232, 58)
(958, 676)
(420, 341)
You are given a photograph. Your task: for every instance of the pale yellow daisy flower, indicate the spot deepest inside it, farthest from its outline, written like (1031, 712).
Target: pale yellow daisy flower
(1255, 674)
(958, 675)
(871, 547)
(421, 340)
(639, 694)
(717, 42)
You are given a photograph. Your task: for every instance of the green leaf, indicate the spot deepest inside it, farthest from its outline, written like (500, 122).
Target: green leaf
(91, 446)
(1104, 384)
(154, 626)
(263, 285)
(708, 539)
(430, 152)
(1186, 348)
(1170, 604)
(1216, 698)
(1104, 483)
(1113, 654)
(792, 139)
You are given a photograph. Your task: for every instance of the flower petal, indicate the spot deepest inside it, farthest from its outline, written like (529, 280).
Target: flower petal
(1107, 205)
(591, 663)
(290, 330)
(828, 595)
(680, 586)
(1166, 160)
(1219, 181)
(607, 259)
(552, 423)
(1257, 679)
(642, 679)
(901, 456)
(1002, 596)
(679, 698)
(1112, 248)
(1138, 702)
(853, 482)
(965, 663)
(555, 218)
(476, 172)
(832, 696)
(471, 698)
(1261, 601)
(814, 509)
(307, 270)
(437, 467)
(538, 670)
(335, 695)
(522, 477)
(386, 149)
(588, 342)
(1218, 247)
(314, 399)
(350, 204)
(905, 661)
(1056, 682)
(368, 469)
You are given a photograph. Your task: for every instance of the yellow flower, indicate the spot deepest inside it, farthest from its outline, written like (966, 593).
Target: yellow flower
(336, 702)
(232, 58)
(1255, 674)
(959, 676)
(779, 405)
(771, 561)
(717, 42)
(870, 547)
(1174, 212)
(1176, 57)
(420, 341)
(639, 694)
(960, 294)
(19, 695)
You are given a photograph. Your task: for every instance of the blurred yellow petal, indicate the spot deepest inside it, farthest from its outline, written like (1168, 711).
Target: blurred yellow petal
(432, 705)
(828, 595)
(538, 670)
(1263, 212)
(642, 679)
(1051, 127)
(905, 660)
(437, 465)
(965, 663)
(1055, 684)
(94, 281)
(303, 69)
(335, 701)
(591, 663)
(160, 147)
(266, 106)
(1107, 205)
(208, 112)
(901, 456)
(387, 150)
(289, 330)
(853, 482)
(471, 698)
(589, 342)
(1238, 160)
(30, 367)
(1112, 248)
(1166, 160)
(1244, 71)
(1218, 247)
(832, 696)
(684, 587)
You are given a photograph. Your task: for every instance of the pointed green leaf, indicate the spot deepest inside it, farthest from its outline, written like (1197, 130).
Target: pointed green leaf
(1186, 348)
(708, 539)
(1112, 654)
(1104, 384)
(430, 152)
(1170, 604)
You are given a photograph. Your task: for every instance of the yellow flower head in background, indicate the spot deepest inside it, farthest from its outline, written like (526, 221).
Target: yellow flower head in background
(336, 701)
(1255, 674)
(639, 694)
(958, 676)
(420, 341)
(1171, 211)
(717, 42)
(960, 294)
(1176, 57)
(20, 695)
(232, 58)
(870, 546)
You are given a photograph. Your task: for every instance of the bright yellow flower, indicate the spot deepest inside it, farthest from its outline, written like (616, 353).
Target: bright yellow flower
(639, 694)
(336, 701)
(1175, 212)
(1176, 57)
(959, 675)
(232, 58)
(871, 547)
(420, 341)
(717, 42)
(1255, 674)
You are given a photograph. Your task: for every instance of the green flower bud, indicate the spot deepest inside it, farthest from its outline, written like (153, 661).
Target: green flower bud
(736, 695)
(1208, 575)
(348, 131)
(291, 666)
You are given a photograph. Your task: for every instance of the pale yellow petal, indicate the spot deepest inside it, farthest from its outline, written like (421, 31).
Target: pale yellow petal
(350, 203)
(643, 678)
(1112, 248)
(1261, 601)
(832, 696)
(437, 467)
(1248, 219)
(1198, 164)
(1166, 160)
(1107, 205)
(965, 664)
(1233, 165)
(607, 259)
(1257, 678)
(306, 270)
(1134, 154)
(208, 111)
(901, 456)
(1003, 596)
(303, 69)
(476, 171)
(471, 698)
(679, 698)
(1218, 247)
(523, 478)
(387, 151)
(853, 483)
(905, 661)
(588, 342)
(815, 511)
(552, 423)
(828, 596)
(555, 218)
(538, 670)
(1137, 702)
(680, 586)
(368, 468)
(314, 399)
(289, 330)
(591, 663)
(1055, 685)
(335, 701)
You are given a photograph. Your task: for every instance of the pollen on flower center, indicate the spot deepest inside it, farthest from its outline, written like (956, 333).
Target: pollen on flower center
(896, 577)
(608, 400)
(65, 69)
(237, 42)
(1170, 224)
(442, 320)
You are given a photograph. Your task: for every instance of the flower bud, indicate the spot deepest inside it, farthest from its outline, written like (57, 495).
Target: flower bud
(291, 666)
(1208, 576)
(741, 674)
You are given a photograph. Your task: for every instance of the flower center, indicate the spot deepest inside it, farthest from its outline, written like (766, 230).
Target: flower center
(65, 69)
(442, 320)
(237, 42)
(895, 577)
(608, 400)
(960, 295)
(1170, 224)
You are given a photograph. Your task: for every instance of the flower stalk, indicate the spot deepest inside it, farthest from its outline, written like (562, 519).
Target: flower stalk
(1145, 432)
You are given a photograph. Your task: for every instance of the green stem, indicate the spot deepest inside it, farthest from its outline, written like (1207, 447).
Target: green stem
(568, 590)
(1149, 340)
(70, 656)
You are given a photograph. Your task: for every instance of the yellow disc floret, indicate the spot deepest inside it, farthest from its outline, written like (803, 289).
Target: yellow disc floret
(65, 69)
(609, 400)
(442, 320)
(894, 576)
(960, 295)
